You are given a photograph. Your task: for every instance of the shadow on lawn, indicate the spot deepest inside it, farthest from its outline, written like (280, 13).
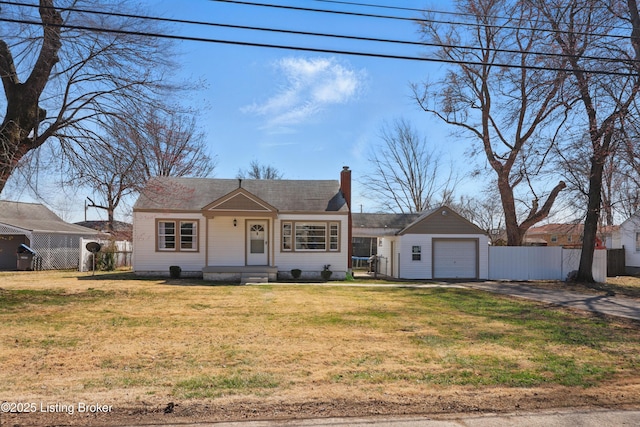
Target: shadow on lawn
(131, 277)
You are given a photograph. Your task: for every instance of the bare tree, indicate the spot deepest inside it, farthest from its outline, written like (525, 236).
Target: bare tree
(80, 67)
(129, 153)
(504, 95)
(407, 174)
(169, 143)
(610, 32)
(486, 212)
(259, 171)
(620, 177)
(112, 179)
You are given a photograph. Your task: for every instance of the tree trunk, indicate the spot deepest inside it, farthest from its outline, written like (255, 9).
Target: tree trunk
(585, 270)
(515, 231)
(19, 129)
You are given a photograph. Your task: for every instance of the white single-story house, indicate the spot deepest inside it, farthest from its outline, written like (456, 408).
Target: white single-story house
(241, 229)
(437, 244)
(55, 242)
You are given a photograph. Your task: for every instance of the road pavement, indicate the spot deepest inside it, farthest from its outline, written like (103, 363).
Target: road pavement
(562, 418)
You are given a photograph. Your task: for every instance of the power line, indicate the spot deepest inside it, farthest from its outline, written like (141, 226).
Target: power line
(302, 48)
(415, 20)
(435, 12)
(311, 49)
(405, 42)
(317, 34)
(297, 8)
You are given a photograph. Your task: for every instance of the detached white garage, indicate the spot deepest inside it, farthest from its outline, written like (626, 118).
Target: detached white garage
(439, 244)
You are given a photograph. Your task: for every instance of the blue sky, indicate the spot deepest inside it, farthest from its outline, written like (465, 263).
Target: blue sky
(306, 114)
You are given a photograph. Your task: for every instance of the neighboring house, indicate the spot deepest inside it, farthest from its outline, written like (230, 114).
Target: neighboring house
(55, 242)
(630, 239)
(227, 229)
(569, 236)
(437, 244)
(123, 231)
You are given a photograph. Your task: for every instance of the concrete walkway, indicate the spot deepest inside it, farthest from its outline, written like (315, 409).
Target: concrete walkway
(611, 305)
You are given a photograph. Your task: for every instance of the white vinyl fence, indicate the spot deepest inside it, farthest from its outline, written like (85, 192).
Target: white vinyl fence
(541, 263)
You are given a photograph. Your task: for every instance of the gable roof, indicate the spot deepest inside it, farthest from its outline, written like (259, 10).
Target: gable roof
(35, 217)
(433, 221)
(442, 220)
(239, 200)
(194, 194)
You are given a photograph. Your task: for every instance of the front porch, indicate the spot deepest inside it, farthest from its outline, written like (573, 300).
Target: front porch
(246, 273)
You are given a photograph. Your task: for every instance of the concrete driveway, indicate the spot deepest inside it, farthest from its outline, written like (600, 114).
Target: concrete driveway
(611, 305)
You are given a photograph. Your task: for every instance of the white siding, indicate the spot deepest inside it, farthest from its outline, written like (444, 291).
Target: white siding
(628, 230)
(385, 257)
(409, 269)
(145, 256)
(226, 242)
(226, 245)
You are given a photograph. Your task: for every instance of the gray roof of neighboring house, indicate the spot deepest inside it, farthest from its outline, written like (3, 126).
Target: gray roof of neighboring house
(36, 217)
(193, 194)
(425, 222)
(382, 220)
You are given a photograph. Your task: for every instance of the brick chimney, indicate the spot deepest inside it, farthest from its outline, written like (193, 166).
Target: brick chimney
(345, 187)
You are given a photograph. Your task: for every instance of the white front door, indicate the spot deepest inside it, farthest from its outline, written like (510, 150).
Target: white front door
(257, 244)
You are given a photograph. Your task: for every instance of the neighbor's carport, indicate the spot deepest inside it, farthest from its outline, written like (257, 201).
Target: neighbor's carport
(56, 243)
(9, 244)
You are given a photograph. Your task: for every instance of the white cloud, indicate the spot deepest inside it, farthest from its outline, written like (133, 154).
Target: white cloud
(310, 86)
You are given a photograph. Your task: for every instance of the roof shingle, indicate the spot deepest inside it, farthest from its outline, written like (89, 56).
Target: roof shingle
(193, 194)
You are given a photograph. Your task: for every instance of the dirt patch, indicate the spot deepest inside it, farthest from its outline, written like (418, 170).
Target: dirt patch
(433, 403)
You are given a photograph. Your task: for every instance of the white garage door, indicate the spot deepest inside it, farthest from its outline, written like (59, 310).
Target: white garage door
(455, 259)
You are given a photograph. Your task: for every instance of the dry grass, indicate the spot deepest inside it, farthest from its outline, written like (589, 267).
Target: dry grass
(68, 336)
(625, 285)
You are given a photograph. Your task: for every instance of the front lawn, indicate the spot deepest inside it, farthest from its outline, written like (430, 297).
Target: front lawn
(128, 342)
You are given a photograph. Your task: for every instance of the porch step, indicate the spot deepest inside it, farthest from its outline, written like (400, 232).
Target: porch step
(248, 278)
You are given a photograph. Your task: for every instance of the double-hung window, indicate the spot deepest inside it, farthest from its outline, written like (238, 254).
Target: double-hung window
(287, 236)
(416, 253)
(177, 235)
(334, 236)
(188, 236)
